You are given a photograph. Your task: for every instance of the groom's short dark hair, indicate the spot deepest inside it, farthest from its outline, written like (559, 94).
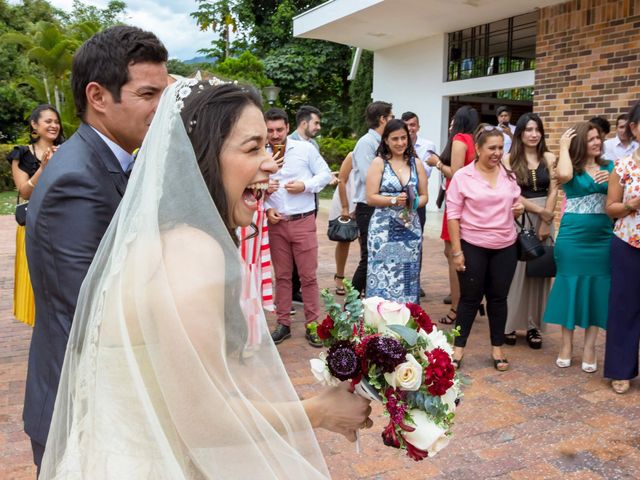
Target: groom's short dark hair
(105, 59)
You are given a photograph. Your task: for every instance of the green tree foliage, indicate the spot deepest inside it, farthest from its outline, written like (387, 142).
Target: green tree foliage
(17, 101)
(112, 14)
(360, 93)
(245, 68)
(221, 17)
(178, 67)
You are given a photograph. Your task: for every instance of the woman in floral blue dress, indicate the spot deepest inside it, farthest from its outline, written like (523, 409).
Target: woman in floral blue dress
(396, 186)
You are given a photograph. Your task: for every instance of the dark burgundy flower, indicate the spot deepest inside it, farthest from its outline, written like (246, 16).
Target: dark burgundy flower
(439, 374)
(342, 361)
(385, 352)
(395, 405)
(324, 329)
(420, 316)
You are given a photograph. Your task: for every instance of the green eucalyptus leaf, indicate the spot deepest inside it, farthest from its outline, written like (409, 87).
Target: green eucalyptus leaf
(408, 335)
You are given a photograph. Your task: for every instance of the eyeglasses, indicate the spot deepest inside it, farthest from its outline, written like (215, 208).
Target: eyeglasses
(490, 128)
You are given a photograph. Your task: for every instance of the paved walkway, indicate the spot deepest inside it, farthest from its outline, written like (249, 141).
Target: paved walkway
(532, 422)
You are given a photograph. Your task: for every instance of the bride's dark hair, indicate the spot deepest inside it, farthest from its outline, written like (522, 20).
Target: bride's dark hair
(209, 114)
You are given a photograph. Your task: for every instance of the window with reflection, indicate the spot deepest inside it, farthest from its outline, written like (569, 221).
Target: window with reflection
(503, 46)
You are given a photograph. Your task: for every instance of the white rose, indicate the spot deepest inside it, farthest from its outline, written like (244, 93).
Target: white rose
(407, 376)
(427, 435)
(394, 313)
(437, 339)
(449, 398)
(371, 315)
(321, 371)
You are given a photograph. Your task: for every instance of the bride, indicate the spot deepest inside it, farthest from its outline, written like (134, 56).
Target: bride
(156, 383)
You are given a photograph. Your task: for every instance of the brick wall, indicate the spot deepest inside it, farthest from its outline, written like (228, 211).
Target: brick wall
(588, 62)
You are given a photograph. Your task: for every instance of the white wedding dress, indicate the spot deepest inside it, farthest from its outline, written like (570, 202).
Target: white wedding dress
(155, 384)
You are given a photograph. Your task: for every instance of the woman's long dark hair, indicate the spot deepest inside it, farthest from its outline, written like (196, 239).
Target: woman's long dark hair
(393, 126)
(465, 120)
(35, 116)
(210, 113)
(517, 156)
(578, 147)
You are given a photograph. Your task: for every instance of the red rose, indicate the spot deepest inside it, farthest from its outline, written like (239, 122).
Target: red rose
(420, 316)
(324, 329)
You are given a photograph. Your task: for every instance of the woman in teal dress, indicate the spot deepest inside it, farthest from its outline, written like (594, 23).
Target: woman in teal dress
(580, 293)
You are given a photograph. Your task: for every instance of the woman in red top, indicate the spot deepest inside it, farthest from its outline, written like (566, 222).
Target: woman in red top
(459, 151)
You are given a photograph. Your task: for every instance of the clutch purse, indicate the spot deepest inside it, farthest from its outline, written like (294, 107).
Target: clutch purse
(21, 211)
(340, 230)
(528, 244)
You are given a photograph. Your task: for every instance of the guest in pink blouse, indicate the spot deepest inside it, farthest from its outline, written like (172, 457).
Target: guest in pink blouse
(623, 324)
(482, 201)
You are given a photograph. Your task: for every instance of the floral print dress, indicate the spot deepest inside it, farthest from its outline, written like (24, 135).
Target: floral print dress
(394, 243)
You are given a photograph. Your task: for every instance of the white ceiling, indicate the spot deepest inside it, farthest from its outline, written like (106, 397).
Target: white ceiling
(378, 24)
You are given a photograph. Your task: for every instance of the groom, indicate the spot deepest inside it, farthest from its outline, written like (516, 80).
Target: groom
(117, 78)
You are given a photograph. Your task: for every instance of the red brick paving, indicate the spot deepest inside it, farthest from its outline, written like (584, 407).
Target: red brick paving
(533, 422)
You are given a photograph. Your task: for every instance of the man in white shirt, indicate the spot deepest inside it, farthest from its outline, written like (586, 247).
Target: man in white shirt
(621, 146)
(307, 125)
(503, 114)
(424, 149)
(292, 223)
(376, 115)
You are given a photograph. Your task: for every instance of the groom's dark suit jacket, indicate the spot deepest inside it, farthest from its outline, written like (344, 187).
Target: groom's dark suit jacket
(69, 212)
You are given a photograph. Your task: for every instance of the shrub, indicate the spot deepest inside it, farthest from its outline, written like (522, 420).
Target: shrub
(6, 179)
(335, 149)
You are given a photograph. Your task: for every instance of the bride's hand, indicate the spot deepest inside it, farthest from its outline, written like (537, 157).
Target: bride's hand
(339, 410)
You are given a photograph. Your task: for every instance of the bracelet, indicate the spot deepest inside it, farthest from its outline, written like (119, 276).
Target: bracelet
(457, 254)
(30, 183)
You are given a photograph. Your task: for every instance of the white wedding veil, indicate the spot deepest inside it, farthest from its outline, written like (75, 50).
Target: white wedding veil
(155, 383)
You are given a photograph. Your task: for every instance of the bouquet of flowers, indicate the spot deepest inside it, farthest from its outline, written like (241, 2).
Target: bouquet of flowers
(394, 354)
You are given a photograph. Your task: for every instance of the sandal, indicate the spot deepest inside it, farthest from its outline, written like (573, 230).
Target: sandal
(510, 338)
(339, 290)
(457, 362)
(534, 339)
(500, 364)
(449, 320)
(620, 386)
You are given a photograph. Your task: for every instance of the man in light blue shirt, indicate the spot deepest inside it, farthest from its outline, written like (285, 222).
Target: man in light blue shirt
(377, 115)
(308, 125)
(621, 145)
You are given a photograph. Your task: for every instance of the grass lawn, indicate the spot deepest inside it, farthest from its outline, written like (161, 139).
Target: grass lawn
(8, 202)
(325, 193)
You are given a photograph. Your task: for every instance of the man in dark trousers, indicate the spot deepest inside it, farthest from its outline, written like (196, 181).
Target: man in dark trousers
(117, 78)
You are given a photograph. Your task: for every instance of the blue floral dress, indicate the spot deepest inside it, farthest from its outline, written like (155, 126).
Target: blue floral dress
(394, 242)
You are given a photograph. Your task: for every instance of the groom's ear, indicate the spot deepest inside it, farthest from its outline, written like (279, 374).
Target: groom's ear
(98, 97)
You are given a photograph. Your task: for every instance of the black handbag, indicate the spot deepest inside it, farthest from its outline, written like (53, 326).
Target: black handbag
(528, 244)
(340, 230)
(21, 211)
(543, 266)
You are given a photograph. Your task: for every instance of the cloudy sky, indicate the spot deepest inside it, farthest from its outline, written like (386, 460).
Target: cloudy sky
(168, 19)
